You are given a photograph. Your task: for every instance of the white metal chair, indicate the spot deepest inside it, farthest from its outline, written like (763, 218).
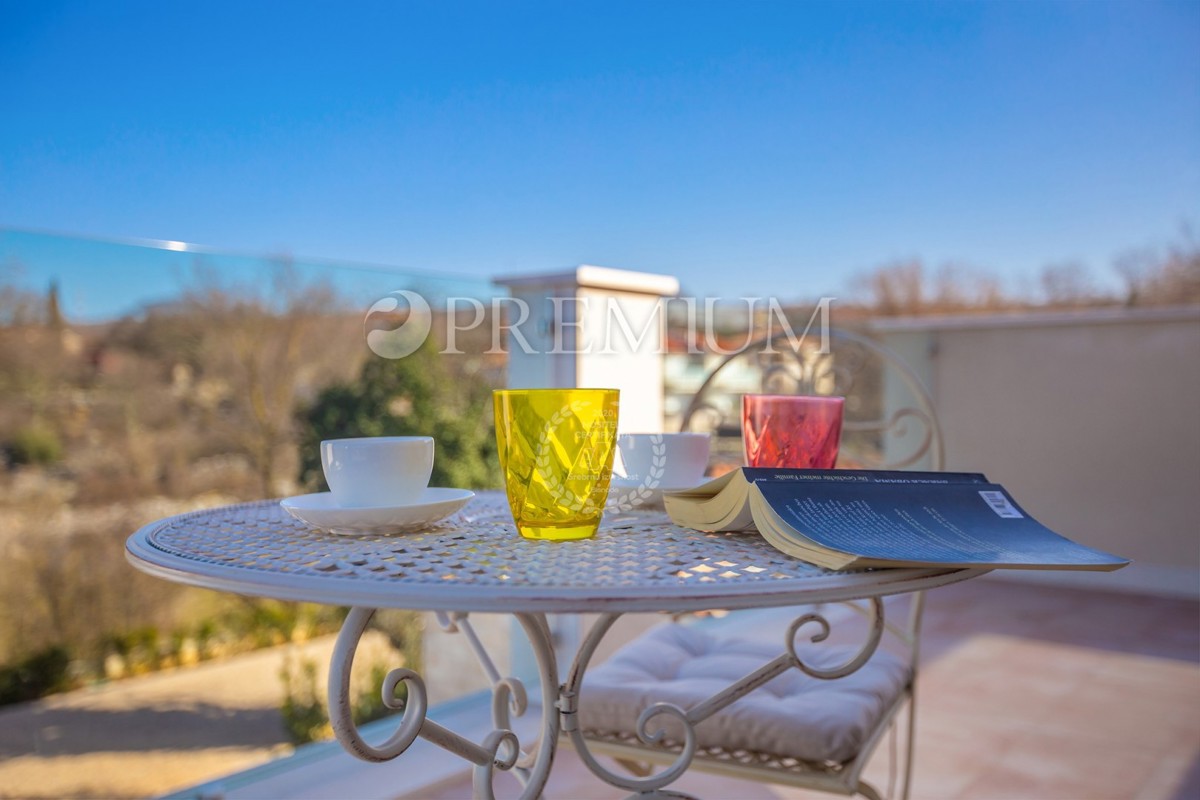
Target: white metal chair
(811, 730)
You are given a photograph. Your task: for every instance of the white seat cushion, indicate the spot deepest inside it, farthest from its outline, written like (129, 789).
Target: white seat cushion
(793, 715)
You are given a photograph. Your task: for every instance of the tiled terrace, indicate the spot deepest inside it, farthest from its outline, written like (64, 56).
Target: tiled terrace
(1028, 692)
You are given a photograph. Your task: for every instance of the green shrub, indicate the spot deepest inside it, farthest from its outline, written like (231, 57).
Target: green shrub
(368, 704)
(404, 630)
(305, 718)
(42, 673)
(35, 444)
(424, 394)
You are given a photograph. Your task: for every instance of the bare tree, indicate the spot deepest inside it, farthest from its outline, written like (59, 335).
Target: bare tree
(268, 348)
(18, 306)
(1166, 279)
(895, 289)
(1068, 283)
(32, 363)
(959, 287)
(907, 288)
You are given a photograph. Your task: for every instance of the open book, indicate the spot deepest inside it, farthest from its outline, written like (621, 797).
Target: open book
(843, 519)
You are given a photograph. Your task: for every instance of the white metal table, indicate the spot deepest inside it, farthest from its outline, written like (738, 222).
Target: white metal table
(475, 561)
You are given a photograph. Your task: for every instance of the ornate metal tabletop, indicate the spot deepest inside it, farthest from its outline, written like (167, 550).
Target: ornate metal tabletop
(476, 561)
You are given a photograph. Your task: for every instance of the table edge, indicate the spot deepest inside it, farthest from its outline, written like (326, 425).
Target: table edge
(333, 590)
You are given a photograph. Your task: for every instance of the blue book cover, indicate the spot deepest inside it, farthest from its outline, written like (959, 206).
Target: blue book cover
(864, 518)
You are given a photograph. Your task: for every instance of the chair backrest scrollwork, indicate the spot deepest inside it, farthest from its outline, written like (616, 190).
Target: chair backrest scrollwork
(889, 417)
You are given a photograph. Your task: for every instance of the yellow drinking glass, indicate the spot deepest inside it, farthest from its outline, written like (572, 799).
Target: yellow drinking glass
(556, 450)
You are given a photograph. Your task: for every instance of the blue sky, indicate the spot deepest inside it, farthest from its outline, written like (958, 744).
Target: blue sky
(750, 148)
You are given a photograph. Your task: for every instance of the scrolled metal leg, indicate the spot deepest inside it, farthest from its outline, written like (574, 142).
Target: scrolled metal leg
(854, 664)
(509, 697)
(534, 764)
(568, 704)
(501, 749)
(340, 703)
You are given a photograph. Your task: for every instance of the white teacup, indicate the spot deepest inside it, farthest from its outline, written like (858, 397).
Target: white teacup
(663, 460)
(377, 470)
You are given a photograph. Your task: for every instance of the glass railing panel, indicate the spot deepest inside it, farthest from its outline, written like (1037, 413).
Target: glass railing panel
(144, 379)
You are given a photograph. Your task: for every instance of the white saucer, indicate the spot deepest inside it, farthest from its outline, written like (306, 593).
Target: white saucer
(320, 511)
(631, 493)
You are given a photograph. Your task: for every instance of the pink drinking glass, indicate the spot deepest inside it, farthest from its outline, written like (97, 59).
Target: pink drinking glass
(791, 430)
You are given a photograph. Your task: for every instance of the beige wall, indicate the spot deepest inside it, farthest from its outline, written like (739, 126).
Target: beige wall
(1092, 421)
